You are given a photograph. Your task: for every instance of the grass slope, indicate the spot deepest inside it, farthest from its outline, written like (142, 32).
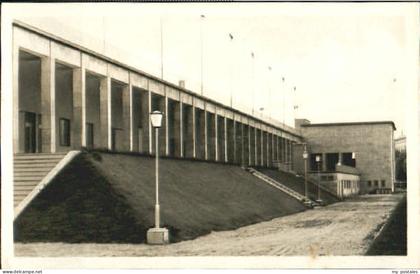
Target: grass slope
(393, 238)
(104, 197)
(298, 184)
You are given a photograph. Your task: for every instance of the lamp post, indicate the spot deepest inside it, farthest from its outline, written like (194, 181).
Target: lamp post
(318, 160)
(305, 160)
(157, 235)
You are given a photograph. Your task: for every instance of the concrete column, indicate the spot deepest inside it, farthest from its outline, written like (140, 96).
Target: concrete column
(48, 104)
(127, 118)
(188, 130)
(249, 146)
(166, 125)
(149, 106)
(78, 129)
(177, 128)
(226, 139)
(262, 148)
(194, 129)
(256, 147)
(273, 149)
(105, 112)
(268, 149)
(340, 158)
(130, 93)
(243, 145)
(206, 154)
(285, 151)
(216, 137)
(324, 162)
(181, 128)
(234, 141)
(16, 122)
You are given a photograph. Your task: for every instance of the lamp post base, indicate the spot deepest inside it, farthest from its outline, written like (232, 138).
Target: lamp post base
(320, 202)
(157, 236)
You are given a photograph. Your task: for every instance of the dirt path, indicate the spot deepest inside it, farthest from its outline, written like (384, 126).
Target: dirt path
(345, 228)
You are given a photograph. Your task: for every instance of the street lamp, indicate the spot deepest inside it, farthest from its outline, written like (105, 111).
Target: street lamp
(305, 160)
(157, 235)
(318, 160)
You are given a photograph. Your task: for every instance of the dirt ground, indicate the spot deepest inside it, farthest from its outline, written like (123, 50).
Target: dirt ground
(345, 228)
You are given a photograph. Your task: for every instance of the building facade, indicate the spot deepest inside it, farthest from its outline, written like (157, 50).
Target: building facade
(365, 146)
(67, 97)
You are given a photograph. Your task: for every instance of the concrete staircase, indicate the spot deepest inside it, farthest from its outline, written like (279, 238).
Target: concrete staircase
(307, 202)
(32, 172)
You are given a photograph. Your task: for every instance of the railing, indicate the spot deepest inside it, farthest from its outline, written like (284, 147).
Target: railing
(281, 187)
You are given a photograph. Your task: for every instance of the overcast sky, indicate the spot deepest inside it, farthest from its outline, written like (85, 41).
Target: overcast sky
(347, 61)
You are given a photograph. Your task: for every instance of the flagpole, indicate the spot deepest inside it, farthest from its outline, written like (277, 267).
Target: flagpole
(269, 93)
(201, 44)
(161, 48)
(253, 83)
(231, 70)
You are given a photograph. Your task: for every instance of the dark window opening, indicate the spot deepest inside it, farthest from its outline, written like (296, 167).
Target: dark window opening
(64, 132)
(332, 160)
(382, 183)
(348, 159)
(369, 183)
(376, 183)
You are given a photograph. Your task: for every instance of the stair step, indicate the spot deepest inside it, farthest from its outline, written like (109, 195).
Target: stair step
(31, 169)
(38, 156)
(40, 161)
(35, 165)
(29, 176)
(24, 187)
(22, 192)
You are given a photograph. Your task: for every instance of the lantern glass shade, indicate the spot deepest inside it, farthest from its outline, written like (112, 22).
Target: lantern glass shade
(353, 155)
(318, 158)
(156, 118)
(305, 155)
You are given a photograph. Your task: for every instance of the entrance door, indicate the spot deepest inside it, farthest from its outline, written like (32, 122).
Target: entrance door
(30, 132)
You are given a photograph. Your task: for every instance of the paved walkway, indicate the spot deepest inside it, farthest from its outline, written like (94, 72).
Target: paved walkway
(345, 228)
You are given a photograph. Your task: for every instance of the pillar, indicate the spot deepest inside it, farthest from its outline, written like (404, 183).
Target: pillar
(225, 125)
(324, 162)
(166, 126)
(48, 104)
(249, 146)
(216, 137)
(262, 148)
(194, 130)
(255, 146)
(206, 154)
(78, 129)
(340, 158)
(127, 118)
(188, 130)
(181, 128)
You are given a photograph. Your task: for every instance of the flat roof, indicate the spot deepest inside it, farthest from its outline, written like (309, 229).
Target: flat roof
(351, 124)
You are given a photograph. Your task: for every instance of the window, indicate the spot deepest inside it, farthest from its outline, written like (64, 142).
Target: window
(382, 183)
(376, 183)
(348, 159)
(64, 132)
(332, 160)
(369, 183)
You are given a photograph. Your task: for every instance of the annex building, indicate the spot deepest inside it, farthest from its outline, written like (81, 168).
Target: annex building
(66, 97)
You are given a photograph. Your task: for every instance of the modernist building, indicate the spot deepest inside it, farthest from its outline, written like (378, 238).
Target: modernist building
(365, 149)
(67, 97)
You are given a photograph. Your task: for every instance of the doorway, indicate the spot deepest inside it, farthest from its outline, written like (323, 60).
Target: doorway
(30, 132)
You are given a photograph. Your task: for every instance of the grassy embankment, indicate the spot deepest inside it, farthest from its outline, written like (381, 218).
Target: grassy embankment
(109, 197)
